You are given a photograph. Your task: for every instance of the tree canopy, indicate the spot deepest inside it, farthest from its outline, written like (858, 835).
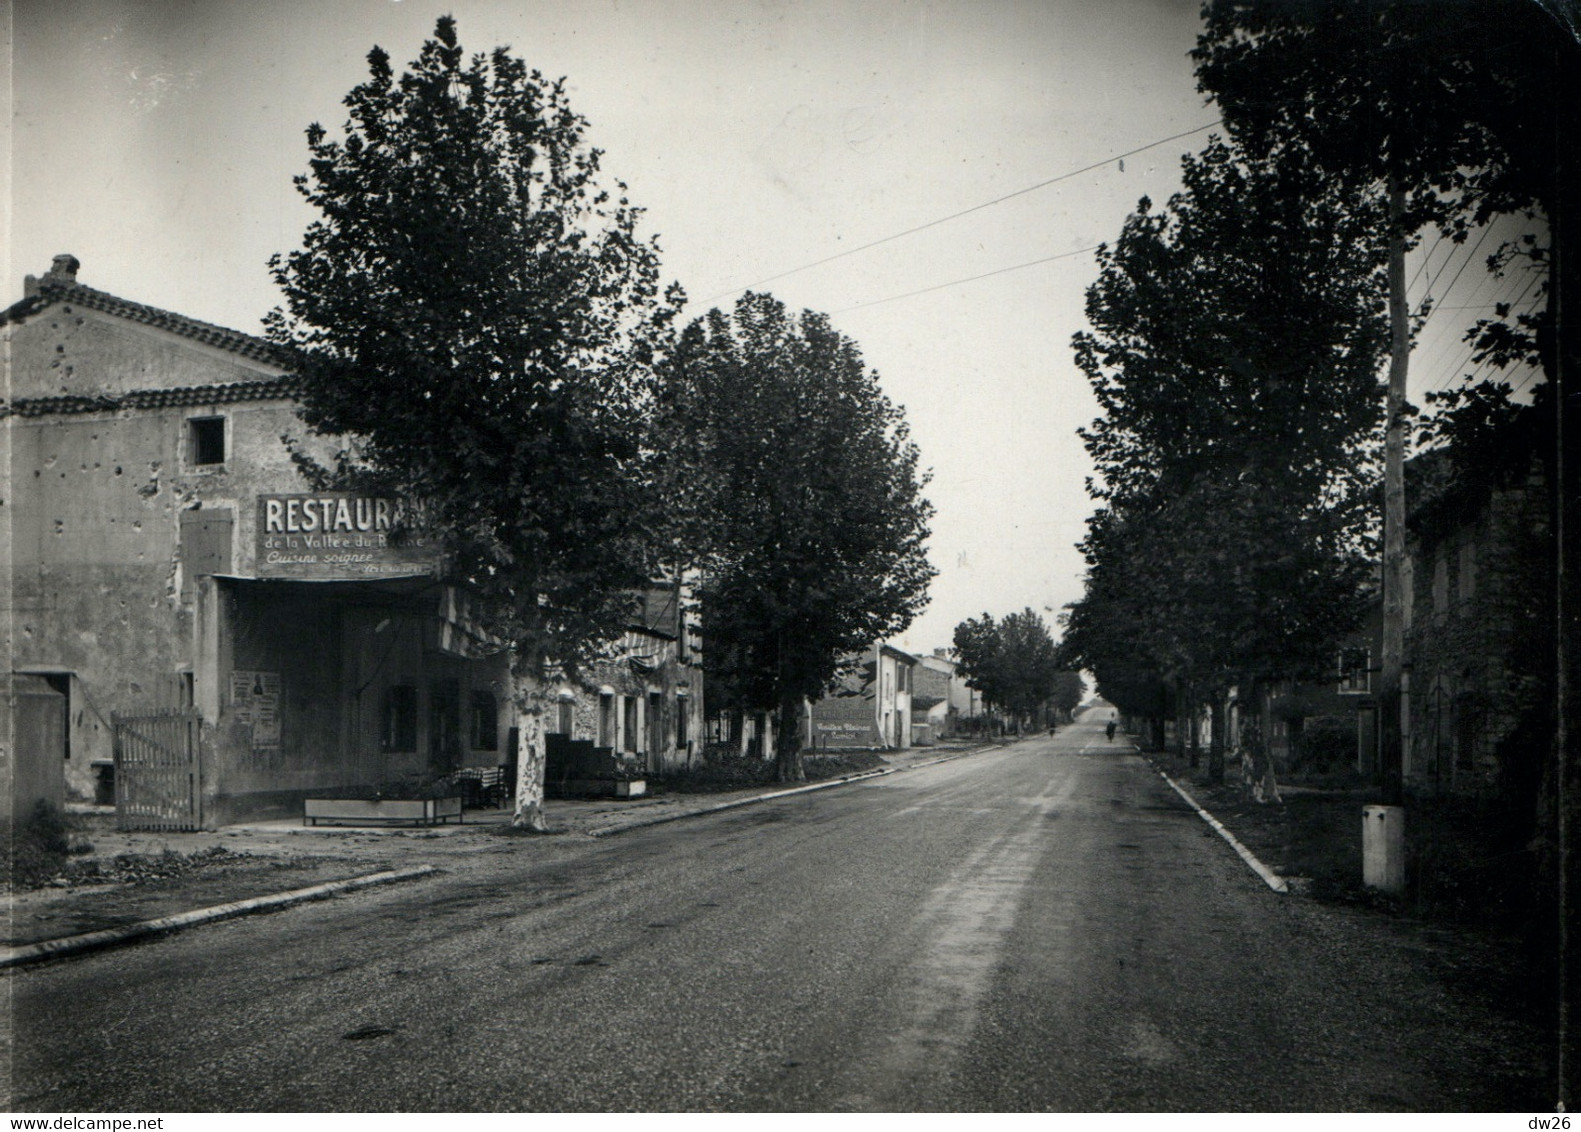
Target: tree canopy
(1012, 662)
(1234, 348)
(476, 314)
(808, 505)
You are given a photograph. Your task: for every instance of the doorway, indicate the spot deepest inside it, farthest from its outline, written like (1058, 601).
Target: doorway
(444, 726)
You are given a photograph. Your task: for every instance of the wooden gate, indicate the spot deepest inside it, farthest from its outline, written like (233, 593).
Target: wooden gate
(158, 783)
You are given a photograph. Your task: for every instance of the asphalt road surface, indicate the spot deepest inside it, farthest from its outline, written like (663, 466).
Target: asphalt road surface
(1045, 926)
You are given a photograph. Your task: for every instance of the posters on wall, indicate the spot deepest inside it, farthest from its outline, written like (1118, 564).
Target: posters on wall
(255, 701)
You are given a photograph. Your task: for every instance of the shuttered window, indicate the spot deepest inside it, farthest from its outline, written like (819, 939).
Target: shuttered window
(205, 546)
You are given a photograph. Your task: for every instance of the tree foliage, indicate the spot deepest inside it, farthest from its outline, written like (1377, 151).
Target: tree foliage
(1468, 108)
(807, 504)
(1013, 663)
(1237, 332)
(1234, 348)
(478, 317)
(1069, 688)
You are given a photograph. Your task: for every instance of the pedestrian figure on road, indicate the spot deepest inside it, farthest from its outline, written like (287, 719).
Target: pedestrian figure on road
(1110, 731)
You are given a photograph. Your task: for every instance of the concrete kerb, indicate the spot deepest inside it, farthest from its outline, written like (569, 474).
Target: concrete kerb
(737, 803)
(1272, 879)
(111, 937)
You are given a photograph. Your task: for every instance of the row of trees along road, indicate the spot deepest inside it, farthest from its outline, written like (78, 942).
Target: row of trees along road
(475, 314)
(1015, 665)
(1235, 453)
(1464, 112)
(1384, 121)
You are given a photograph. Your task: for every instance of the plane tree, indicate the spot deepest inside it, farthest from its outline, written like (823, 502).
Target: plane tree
(474, 312)
(1234, 343)
(806, 507)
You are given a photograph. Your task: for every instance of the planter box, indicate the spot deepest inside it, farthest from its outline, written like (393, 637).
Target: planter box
(605, 787)
(365, 811)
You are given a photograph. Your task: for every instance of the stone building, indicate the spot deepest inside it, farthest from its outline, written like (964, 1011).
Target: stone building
(870, 707)
(222, 642)
(1478, 639)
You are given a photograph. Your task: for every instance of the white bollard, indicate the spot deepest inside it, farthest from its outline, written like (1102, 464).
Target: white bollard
(1383, 848)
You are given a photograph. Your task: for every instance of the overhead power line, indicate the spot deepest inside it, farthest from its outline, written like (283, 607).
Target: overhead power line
(968, 279)
(1471, 255)
(967, 212)
(1516, 302)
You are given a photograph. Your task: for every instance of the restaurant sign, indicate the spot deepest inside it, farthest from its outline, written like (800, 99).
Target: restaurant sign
(334, 534)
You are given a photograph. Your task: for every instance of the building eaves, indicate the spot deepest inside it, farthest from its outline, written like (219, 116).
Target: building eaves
(271, 389)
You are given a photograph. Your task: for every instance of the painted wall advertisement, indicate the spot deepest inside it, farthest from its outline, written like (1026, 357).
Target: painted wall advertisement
(339, 535)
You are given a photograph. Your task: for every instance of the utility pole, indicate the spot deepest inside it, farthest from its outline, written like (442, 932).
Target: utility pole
(1391, 763)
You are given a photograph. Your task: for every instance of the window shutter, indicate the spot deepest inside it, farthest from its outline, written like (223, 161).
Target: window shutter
(205, 546)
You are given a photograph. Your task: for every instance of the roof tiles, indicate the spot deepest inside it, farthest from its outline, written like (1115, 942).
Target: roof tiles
(220, 337)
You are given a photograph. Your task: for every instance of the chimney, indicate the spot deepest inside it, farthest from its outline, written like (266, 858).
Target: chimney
(63, 271)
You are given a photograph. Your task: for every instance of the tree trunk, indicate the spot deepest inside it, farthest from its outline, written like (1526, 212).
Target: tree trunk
(1193, 745)
(1257, 759)
(531, 755)
(787, 753)
(1216, 741)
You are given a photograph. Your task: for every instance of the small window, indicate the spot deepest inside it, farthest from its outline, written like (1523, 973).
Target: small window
(1467, 574)
(208, 441)
(1355, 675)
(485, 722)
(681, 736)
(606, 719)
(567, 716)
(400, 718)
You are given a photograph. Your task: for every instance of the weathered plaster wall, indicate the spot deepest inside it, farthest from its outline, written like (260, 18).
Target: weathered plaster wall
(1477, 621)
(95, 509)
(667, 679)
(844, 721)
(70, 350)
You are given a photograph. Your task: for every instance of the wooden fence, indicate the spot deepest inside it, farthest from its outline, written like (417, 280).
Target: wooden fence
(158, 777)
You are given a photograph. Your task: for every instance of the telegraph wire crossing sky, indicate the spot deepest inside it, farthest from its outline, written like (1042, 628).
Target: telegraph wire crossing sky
(936, 176)
(1119, 158)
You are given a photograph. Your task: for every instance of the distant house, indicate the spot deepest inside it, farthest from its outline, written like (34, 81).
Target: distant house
(870, 707)
(645, 703)
(941, 698)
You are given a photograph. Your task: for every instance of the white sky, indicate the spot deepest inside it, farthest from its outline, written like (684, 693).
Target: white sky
(156, 141)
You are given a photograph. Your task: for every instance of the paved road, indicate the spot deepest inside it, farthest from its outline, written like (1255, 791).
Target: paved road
(1045, 926)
